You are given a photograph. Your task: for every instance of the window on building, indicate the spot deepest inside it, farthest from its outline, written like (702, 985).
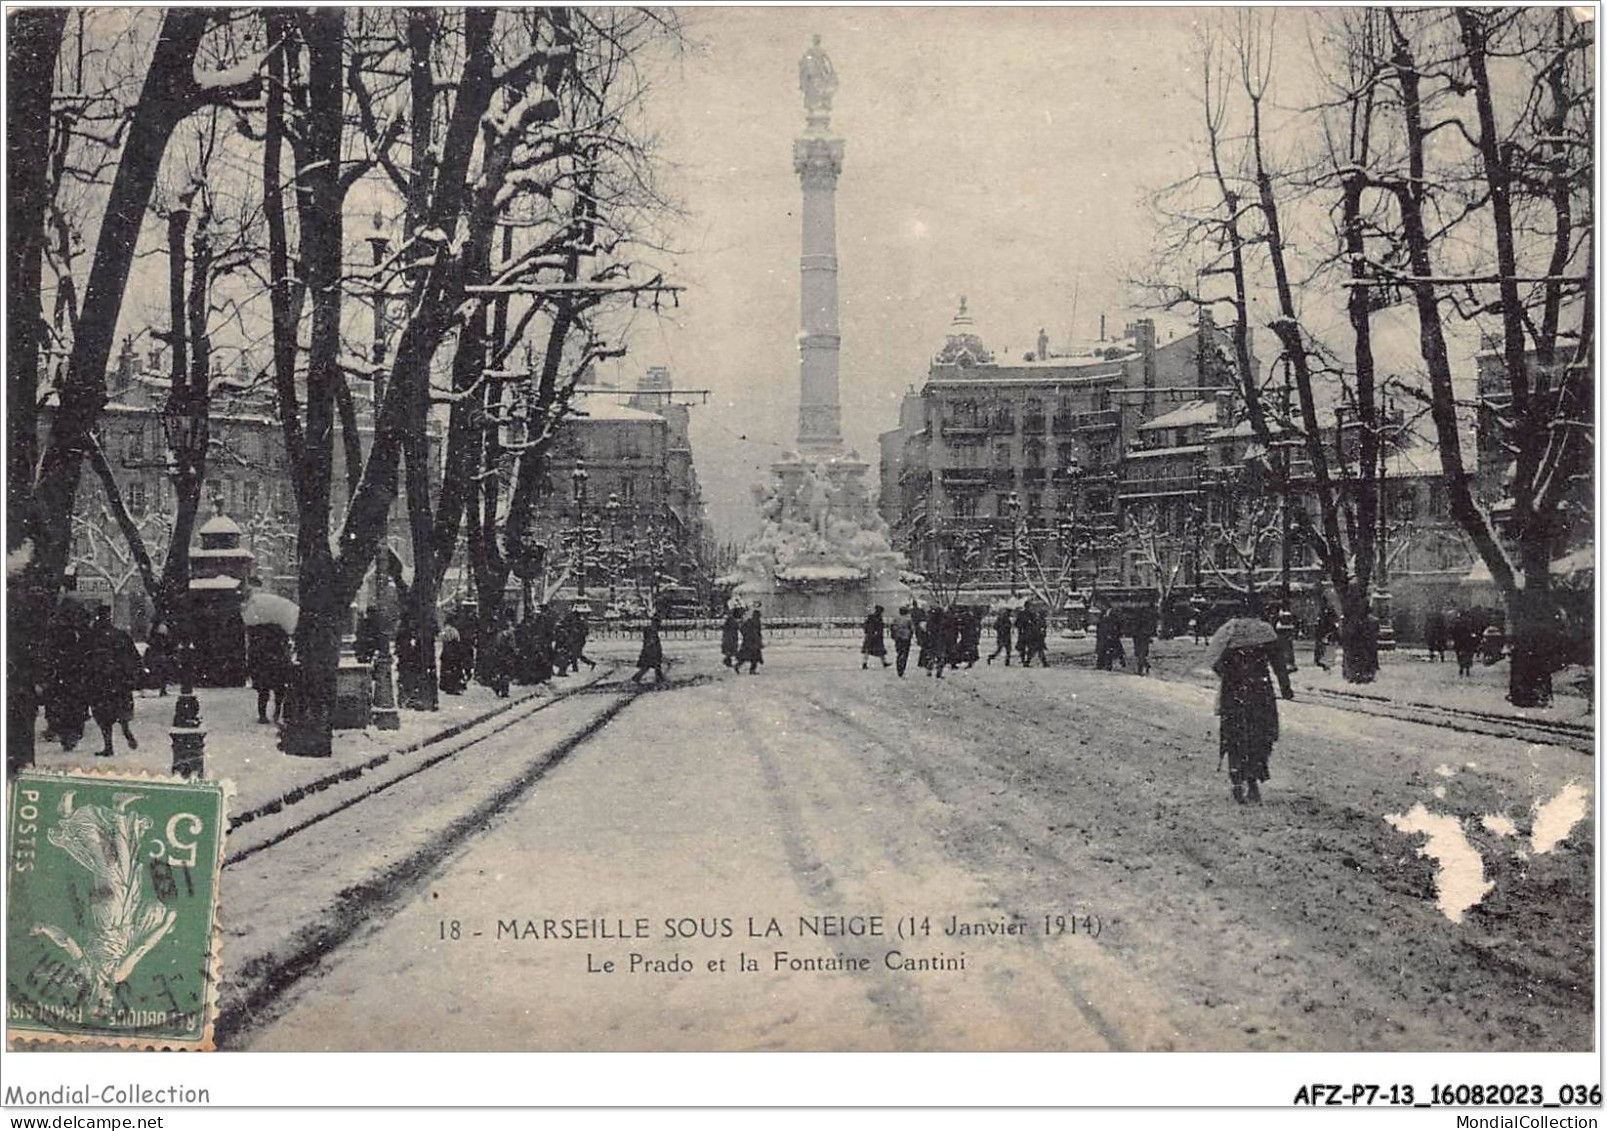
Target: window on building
(134, 496)
(1066, 454)
(1101, 400)
(251, 496)
(965, 506)
(1001, 456)
(136, 442)
(1034, 453)
(627, 491)
(1034, 504)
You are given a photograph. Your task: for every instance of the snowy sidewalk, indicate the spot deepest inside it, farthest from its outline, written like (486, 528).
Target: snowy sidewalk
(245, 752)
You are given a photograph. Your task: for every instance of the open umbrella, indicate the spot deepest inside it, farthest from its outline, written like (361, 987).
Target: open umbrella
(269, 608)
(1240, 632)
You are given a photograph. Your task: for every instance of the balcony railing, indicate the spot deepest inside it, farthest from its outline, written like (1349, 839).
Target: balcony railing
(1162, 485)
(966, 476)
(963, 430)
(1087, 421)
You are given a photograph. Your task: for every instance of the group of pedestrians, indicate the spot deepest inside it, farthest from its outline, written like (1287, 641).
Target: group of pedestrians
(1140, 624)
(544, 645)
(946, 637)
(89, 668)
(742, 639)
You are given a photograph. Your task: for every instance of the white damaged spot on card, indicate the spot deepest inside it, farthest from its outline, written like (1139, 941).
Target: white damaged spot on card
(1460, 878)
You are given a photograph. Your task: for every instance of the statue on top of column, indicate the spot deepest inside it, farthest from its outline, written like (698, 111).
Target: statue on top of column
(817, 78)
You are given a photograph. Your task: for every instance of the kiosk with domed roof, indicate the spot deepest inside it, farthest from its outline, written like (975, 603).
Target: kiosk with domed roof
(219, 568)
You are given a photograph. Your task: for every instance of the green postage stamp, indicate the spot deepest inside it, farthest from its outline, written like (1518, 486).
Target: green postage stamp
(111, 915)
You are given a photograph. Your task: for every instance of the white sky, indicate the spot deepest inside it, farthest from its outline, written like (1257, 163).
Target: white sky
(1003, 154)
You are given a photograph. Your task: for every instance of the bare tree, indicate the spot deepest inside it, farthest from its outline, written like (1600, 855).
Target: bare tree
(42, 502)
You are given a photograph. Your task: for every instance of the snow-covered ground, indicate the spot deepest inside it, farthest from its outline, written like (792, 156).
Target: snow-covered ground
(1317, 921)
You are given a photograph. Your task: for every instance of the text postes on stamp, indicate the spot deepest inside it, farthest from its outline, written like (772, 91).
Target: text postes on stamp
(112, 909)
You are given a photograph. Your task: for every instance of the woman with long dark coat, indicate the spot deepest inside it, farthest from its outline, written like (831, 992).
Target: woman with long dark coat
(875, 639)
(730, 635)
(1244, 653)
(751, 650)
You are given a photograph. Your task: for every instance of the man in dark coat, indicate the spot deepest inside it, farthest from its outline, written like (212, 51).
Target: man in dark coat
(268, 666)
(64, 676)
(730, 635)
(921, 620)
(751, 650)
(1435, 632)
(652, 653)
(1024, 628)
(112, 665)
(1108, 640)
(573, 631)
(1001, 636)
(1465, 638)
(1241, 652)
(457, 658)
(875, 642)
(1036, 643)
(970, 633)
(1141, 624)
(939, 639)
(159, 660)
(1323, 635)
(903, 631)
(500, 654)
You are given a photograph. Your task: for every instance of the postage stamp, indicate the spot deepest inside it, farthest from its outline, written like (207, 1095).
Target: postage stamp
(112, 912)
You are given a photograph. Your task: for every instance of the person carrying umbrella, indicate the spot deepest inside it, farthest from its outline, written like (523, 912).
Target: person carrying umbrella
(1241, 653)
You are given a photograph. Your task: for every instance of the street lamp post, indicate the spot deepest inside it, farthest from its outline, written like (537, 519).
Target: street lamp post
(1014, 504)
(579, 477)
(613, 530)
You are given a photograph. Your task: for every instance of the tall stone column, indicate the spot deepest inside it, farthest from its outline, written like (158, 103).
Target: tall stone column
(818, 159)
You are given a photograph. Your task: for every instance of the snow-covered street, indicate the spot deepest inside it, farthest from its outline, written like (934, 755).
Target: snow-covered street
(1008, 859)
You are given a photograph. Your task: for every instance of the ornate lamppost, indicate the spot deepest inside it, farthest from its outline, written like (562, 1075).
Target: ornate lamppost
(1013, 503)
(185, 426)
(612, 507)
(579, 477)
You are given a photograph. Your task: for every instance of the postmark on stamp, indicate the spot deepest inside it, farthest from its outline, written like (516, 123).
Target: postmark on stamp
(111, 917)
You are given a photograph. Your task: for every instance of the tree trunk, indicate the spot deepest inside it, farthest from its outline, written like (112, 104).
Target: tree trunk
(33, 42)
(308, 730)
(168, 95)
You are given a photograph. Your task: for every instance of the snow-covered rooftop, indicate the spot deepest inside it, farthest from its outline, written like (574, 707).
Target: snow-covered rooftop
(607, 407)
(1152, 453)
(214, 583)
(1192, 413)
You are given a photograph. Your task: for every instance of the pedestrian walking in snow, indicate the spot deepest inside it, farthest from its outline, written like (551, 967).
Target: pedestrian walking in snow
(730, 635)
(1002, 641)
(751, 649)
(501, 655)
(158, 660)
(970, 633)
(1327, 629)
(1108, 640)
(1244, 653)
(939, 640)
(875, 642)
(903, 632)
(1465, 638)
(456, 659)
(1035, 645)
(652, 653)
(65, 678)
(112, 665)
(1024, 628)
(922, 620)
(268, 666)
(573, 632)
(1436, 631)
(1142, 624)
